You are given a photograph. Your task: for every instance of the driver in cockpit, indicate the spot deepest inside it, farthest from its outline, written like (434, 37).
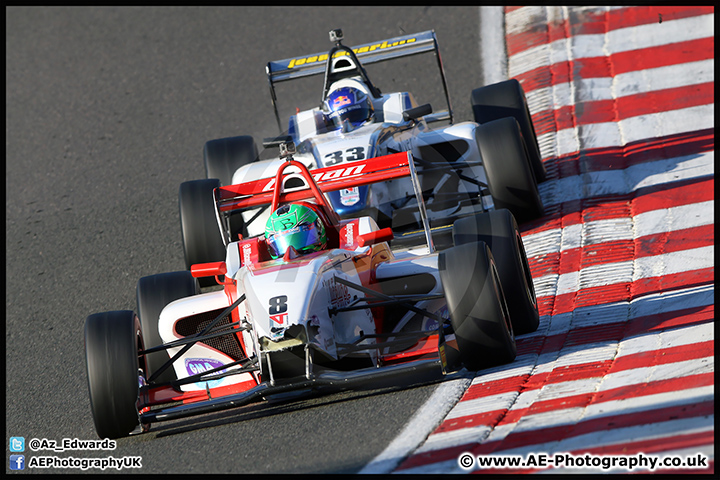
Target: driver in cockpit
(347, 108)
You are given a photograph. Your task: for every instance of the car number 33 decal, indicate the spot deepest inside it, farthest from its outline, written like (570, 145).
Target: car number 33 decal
(351, 155)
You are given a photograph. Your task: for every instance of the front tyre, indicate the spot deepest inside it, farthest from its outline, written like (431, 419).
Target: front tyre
(112, 342)
(202, 240)
(509, 177)
(507, 99)
(499, 230)
(154, 293)
(224, 156)
(478, 311)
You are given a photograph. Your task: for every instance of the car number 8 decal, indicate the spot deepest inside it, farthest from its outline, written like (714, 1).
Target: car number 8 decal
(278, 305)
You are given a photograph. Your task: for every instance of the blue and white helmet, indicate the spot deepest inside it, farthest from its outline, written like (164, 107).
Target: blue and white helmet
(348, 106)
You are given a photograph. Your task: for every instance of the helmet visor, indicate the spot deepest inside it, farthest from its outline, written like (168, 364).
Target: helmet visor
(355, 114)
(303, 238)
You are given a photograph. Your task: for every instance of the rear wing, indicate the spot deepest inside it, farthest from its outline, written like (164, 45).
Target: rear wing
(298, 67)
(273, 191)
(263, 192)
(315, 64)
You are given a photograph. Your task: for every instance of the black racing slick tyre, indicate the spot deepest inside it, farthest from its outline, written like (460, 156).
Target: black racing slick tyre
(507, 99)
(112, 342)
(154, 293)
(499, 230)
(202, 240)
(222, 157)
(477, 306)
(509, 178)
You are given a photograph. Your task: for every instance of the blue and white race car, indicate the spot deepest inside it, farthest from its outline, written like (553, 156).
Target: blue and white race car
(490, 163)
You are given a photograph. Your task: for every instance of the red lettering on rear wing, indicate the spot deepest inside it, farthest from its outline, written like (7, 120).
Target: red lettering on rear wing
(346, 175)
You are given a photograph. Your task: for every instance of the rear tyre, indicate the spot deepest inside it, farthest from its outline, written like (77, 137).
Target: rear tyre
(202, 241)
(154, 293)
(112, 341)
(478, 311)
(222, 157)
(498, 229)
(507, 99)
(510, 180)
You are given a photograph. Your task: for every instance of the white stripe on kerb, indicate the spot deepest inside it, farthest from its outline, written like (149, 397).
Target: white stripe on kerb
(615, 41)
(594, 89)
(488, 403)
(663, 220)
(642, 375)
(593, 411)
(617, 436)
(621, 272)
(675, 337)
(621, 182)
(628, 130)
(675, 262)
(674, 218)
(492, 45)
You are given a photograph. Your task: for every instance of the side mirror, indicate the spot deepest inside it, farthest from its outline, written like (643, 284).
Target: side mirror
(382, 235)
(418, 112)
(212, 269)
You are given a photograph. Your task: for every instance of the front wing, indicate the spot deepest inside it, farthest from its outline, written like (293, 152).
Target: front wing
(327, 380)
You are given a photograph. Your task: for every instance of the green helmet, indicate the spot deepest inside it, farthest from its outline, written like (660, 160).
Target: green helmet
(297, 226)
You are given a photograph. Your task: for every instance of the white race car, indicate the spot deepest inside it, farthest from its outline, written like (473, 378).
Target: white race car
(316, 302)
(465, 168)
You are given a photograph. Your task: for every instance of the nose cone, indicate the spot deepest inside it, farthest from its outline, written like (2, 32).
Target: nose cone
(279, 299)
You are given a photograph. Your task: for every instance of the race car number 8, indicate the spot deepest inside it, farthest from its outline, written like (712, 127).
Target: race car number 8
(278, 305)
(353, 154)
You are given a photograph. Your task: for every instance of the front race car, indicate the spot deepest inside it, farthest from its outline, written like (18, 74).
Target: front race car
(327, 319)
(352, 310)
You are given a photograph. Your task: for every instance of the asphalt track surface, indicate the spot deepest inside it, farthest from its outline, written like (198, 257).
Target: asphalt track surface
(107, 111)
